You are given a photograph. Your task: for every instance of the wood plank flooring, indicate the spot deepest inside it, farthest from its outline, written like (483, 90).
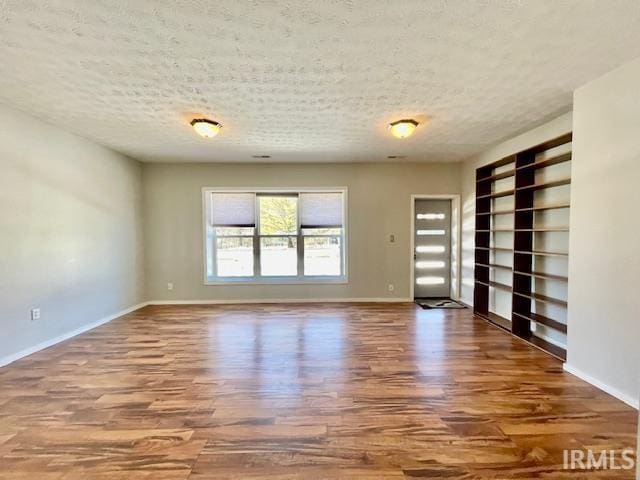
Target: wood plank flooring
(300, 391)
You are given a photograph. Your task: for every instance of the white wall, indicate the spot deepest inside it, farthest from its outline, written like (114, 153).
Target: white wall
(378, 202)
(604, 266)
(70, 233)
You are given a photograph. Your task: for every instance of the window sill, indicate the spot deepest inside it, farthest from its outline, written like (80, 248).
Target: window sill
(280, 281)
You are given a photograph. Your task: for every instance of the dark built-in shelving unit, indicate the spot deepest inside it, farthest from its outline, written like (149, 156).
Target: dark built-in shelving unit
(523, 167)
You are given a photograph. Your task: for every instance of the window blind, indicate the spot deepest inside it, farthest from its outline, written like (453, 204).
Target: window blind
(233, 209)
(321, 210)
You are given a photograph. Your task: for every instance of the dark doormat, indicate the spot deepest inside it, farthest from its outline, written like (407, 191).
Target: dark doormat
(430, 303)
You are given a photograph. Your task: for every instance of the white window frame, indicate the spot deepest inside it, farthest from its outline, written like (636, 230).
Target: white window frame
(300, 279)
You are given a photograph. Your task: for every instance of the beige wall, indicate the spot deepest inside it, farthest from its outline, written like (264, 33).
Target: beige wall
(70, 233)
(604, 267)
(378, 205)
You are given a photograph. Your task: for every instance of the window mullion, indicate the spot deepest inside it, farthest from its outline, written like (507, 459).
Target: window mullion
(342, 252)
(300, 249)
(256, 240)
(214, 254)
(299, 242)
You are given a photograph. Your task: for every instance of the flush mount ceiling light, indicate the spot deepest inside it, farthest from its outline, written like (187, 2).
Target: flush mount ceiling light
(403, 128)
(206, 128)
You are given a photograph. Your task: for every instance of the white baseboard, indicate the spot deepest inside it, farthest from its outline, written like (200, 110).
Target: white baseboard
(65, 336)
(628, 399)
(279, 300)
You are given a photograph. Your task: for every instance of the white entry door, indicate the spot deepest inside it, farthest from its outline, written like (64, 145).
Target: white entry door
(432, 254)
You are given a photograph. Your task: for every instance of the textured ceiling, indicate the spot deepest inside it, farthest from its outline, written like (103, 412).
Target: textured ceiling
(306, 80)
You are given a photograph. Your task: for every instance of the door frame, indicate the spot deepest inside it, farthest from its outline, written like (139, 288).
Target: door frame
(456, 247)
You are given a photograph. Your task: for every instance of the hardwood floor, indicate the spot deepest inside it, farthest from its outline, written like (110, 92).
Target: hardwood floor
(337, 391)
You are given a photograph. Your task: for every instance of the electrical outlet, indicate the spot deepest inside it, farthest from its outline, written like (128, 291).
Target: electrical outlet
(169, 286)
(391, 287)
(35, 314)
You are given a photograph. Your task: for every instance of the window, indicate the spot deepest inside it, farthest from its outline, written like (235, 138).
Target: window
(271, 236)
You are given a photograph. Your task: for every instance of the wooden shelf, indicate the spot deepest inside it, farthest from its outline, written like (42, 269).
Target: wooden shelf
(545, 276)
(555, 142)
(542, 229)
(498, 176)
(538, 297)
(542, 186)
(504, 193)
(498, 212)
(546, 321)
(547, 162)
(496, 319)
(525, 165)
(504, 161)
(542, 254)
(544, 207)
(494, 265)
(496, 249)
(548, 347)
(500, 286)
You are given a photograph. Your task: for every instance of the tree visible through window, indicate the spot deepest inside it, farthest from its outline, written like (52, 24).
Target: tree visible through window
(278, 215)
(278, 235)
